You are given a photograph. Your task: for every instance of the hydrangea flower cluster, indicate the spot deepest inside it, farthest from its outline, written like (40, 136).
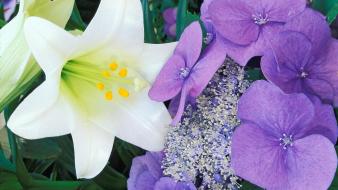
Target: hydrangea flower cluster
(198, 148)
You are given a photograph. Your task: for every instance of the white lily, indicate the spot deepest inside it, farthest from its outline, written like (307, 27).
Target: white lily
(2, 120)
(17, 66)
(96, 85)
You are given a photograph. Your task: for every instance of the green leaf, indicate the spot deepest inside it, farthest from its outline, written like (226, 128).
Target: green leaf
(332, 14)
(323, 6)
(181, 17)
(109, 178)
(254, 74)
(75, 21)
(149, 33)
(127, 152)
(9, 181)
(5, 164)
(40, 149)
(248, 186)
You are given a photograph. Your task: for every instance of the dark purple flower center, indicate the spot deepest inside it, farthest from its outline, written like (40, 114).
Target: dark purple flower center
(184, 72)
(260, 18)
(208, 38)
(303, 74)
(286, 141)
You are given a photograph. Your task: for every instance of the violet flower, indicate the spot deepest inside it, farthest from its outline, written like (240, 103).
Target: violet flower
(280, 144)
(146, 174)
(169, 16)
(246, 26)
(9, 8)
(305, 61)
(185, 73)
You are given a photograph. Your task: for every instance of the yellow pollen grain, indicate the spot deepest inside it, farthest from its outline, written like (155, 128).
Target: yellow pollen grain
(100, 86)
(123, 73)
(106, 74)
(113, 66)
(109, 95)
(123, 92)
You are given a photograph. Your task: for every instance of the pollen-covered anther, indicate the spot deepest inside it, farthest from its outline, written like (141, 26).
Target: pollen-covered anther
(123, 73)
(100, 86)
(109, 95)
(113, 66)
(123, 92)
(106, 74)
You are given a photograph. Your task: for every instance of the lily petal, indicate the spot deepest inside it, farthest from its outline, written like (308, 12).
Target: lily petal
(125, 28)
(152, 59)
(50, 45)
(92, 148)
(43, 105)
(57, 12)
(135, 119)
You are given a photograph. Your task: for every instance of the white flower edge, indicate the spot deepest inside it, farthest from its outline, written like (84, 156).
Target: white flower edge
(46, 112)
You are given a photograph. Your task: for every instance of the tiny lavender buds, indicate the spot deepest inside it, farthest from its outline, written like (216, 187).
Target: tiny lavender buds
(198, 148)
(247, 26)
(279, 144)
(96, 85)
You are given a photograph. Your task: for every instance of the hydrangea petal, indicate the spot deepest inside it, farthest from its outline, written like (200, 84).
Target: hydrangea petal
(190, 49)
(168, 83)
(324, 122)
(254, 155)
(145, 171)
(312, 163)
(281, 11)
(233, 20)
(212, 58)
(314, 26)
(291, 53)
(276, 119)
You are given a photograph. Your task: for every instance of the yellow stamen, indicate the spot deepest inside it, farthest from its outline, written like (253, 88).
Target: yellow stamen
(123, 92)
(100, 86)
(106, 74)
(109, 95)
(123, 73)
(113, 66)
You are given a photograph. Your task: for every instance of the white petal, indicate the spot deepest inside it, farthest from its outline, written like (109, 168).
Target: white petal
(57, 11)
(44, 113)
(2, 120)
(92, 148)
(14, 52)
(118, 23)
(153, 58)
(136, 119)
(51, 45)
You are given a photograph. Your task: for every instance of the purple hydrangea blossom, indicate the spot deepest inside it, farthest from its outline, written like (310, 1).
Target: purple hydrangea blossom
(9, 8)
(304, 59)
(146, 174)
(280, 143)
(169, 16)
(246, 26)
(186, 73)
